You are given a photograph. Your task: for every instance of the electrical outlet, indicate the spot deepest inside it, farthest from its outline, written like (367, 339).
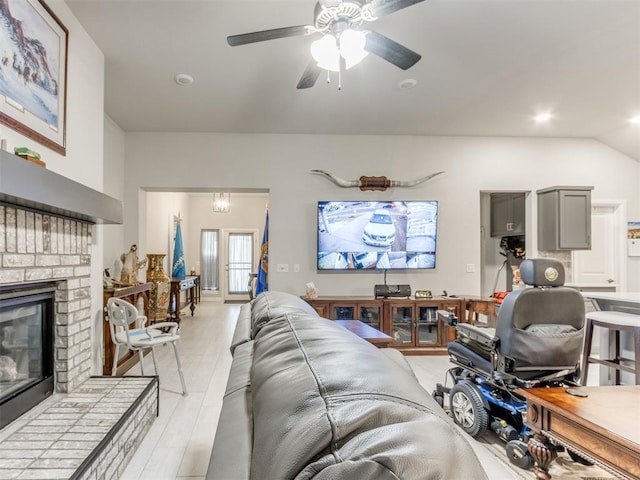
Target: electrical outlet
(471, 268)
(282, 267)
(296, 267)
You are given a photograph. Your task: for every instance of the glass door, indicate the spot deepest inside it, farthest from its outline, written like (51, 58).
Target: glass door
(402, 324)
(370, 314)
(427, 325)
(240, 261)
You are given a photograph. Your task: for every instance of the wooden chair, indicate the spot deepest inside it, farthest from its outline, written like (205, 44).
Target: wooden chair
(122, 315)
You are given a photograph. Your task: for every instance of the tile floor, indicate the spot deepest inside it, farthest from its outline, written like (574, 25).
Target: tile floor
(178, 444)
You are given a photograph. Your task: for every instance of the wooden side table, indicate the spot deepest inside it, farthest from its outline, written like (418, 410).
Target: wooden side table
(190, 284)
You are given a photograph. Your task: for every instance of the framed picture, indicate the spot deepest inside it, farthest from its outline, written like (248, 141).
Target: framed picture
(33, 72)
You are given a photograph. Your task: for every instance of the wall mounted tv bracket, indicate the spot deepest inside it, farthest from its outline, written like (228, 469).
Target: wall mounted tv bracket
(392, 291)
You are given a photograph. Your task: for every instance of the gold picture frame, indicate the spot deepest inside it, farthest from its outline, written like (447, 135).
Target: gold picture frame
(33, 72)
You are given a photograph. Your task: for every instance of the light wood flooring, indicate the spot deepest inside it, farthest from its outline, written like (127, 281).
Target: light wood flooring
(179, 442)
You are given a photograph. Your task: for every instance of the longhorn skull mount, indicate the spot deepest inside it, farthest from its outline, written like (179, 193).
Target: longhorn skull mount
(374, 183)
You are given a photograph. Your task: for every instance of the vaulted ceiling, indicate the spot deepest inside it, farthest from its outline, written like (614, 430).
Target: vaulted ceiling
(487, 68)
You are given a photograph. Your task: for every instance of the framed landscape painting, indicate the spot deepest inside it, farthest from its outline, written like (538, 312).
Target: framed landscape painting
(33, 72)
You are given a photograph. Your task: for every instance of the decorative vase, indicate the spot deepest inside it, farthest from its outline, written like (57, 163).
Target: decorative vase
(160, 287)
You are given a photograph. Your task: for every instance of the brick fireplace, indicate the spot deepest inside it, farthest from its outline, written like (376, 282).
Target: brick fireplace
(46, 227)
(90, 426)
(36, 247)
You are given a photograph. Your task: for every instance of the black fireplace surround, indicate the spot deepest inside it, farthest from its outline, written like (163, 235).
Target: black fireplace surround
(26, 347)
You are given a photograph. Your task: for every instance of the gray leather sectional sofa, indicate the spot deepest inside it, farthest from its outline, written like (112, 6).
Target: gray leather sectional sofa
(307, 399)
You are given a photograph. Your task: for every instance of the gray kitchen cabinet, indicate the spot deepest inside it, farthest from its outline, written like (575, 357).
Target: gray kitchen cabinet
(507, 214)
(564, 218)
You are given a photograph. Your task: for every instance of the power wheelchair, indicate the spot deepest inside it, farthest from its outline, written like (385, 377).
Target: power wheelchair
(537, 343)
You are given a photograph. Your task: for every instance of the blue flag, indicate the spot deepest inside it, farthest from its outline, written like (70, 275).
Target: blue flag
(262, 283)
(178, 255)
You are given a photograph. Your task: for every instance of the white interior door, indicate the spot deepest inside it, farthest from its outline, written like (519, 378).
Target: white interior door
(603, 265)
(240, 256)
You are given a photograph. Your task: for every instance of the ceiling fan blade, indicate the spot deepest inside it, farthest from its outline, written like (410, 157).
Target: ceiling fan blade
(391, 51)
(378, 8)
(253, 37)
(310, 75)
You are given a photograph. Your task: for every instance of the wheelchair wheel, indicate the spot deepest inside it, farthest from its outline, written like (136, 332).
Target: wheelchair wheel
(519, 455)
(468, 409)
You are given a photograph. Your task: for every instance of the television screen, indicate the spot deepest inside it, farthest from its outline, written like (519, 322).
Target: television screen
(377, 235)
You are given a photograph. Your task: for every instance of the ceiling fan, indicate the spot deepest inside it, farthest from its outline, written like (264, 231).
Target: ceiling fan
(344, 41)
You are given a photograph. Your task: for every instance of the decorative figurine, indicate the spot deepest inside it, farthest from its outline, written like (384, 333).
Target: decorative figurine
(130, 266)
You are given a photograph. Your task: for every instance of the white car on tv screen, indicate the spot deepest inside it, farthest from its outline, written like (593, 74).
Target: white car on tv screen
(380, 230)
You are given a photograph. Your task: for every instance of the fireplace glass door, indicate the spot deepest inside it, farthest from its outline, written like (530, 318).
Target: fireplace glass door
(26, 348)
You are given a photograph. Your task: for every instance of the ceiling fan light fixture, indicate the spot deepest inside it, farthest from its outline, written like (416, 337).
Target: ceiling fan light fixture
(352, 44)
(325, 52)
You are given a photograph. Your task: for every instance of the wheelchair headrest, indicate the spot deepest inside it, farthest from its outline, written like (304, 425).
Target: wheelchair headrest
(542, 272)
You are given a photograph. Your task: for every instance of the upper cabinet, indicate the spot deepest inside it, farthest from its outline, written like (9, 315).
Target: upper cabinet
(564, 218)
(507, 214)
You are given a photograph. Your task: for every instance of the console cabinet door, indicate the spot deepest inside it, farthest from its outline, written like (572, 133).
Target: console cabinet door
(401, 320)
(427, 326)
(344, 311)
(371, 314)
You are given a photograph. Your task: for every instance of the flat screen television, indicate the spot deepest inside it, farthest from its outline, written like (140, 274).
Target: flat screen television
(379, 235)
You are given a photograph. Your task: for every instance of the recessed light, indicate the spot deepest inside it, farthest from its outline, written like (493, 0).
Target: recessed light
(183, 79)
(635, 120)
(542, 117)
(407, 83)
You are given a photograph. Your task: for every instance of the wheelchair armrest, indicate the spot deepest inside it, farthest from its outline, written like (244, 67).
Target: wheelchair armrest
(448, 318)
(484, 336)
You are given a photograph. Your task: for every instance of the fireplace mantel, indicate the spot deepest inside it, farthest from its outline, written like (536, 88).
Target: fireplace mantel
(24, 184)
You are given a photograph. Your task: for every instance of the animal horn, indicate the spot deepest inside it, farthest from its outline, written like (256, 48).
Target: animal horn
(337, 180)
(413, 183)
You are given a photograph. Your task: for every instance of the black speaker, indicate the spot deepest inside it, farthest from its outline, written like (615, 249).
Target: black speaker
(391, 291)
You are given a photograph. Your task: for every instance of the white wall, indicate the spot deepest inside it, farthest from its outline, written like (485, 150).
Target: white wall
(113, 172)
(282, 164)
(160, 213)
(84, 138)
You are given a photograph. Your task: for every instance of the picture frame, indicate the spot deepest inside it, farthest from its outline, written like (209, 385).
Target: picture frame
(33, 72)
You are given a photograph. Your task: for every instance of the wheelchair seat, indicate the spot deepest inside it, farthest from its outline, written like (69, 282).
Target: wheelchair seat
(539, 331)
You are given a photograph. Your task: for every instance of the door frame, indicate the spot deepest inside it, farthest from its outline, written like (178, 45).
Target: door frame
(224, 262)
(620, 226)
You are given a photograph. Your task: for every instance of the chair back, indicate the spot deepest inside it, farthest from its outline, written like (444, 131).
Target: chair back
(541, 327)
(121, 314)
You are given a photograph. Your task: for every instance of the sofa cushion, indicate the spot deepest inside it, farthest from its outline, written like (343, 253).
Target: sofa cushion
(327, 404)
(269, 305)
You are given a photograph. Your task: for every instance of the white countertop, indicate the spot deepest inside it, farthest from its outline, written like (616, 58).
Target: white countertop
(632, 297)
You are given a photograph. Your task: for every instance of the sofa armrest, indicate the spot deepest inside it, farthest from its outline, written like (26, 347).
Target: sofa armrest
(231, 454)
(242, 332)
